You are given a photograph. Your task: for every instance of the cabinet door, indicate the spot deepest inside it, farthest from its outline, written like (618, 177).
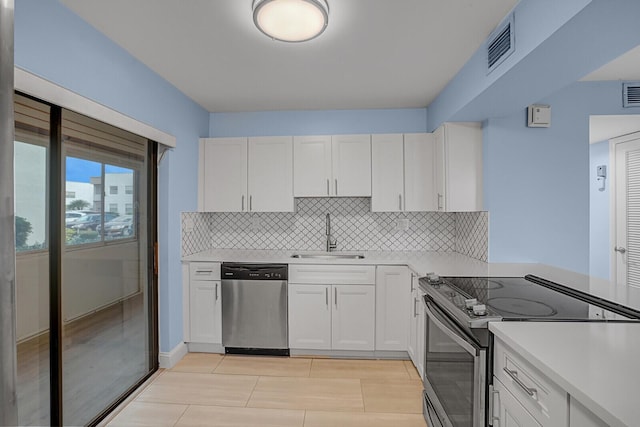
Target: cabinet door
(458, 167)
(508, 410)
(351, 160)
(312, 166)
(412, 339)
(387, 173)
(419, 173)
(223, 175)
(205, 312)
(309, 316)
(353, 317)
(270, 165)
(420, 331)
(393, 290)
(439, 168)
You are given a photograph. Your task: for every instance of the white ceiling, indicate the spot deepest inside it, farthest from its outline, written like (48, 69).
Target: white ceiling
(374, 53)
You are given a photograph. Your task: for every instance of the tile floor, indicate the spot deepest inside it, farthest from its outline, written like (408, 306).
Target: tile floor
(216, 390)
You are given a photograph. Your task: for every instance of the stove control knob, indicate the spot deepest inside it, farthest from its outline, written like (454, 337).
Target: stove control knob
(480, 310)
(469, 303)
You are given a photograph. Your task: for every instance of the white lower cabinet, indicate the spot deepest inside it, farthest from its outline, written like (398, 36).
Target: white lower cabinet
(507, 411)
(206, 312)
(309, 316)
(393, 296)
(353, 317)
(333, 316)
(205, 303)
(416, 343)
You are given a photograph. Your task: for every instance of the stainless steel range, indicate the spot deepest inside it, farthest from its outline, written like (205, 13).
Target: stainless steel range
(459, 347)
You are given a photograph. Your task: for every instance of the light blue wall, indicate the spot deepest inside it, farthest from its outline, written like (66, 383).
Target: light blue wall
(599, 241)
(54, 43)
(557, 43)
(536, 180)
(318, 122)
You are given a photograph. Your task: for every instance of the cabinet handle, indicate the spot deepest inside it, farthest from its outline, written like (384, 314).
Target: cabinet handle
(439, 202)
(336, 186)
(400, 201)
(335, 293)
(326, 296)
(327, 186)
(242, 210)
(216, 292)
(250, 203)
(204, 271)
(415, 311)
(494, 397)
(514, 376)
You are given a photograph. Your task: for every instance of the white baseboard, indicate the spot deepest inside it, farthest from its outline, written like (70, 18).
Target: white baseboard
(170, 359)
(352, 354)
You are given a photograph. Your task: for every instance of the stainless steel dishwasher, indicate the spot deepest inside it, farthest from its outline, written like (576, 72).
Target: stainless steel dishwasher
(254, 309)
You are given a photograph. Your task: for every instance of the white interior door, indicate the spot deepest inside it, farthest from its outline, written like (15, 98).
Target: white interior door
(627, 233)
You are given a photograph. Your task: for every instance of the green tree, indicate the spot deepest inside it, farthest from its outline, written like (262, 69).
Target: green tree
(23, 229)
(77, 205)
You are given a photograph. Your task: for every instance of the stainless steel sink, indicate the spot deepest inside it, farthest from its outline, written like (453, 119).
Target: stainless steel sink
(328, 256)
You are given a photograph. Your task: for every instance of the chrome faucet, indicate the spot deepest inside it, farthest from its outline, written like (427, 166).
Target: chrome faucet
(331, 242)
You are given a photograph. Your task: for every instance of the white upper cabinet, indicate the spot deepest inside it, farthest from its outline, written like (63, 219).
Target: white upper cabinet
(223, 175)
(402, 169)
(419, 173)
(458, 167)
(270, 185)
(246, 175)
(387, 173)
(351, 160)
(312, 166)
(332, 166)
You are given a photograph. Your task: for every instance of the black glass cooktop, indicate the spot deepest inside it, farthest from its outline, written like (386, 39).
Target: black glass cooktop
(531, 297)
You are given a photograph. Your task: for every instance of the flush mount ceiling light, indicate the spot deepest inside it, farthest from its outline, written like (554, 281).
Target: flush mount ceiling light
(291, 20)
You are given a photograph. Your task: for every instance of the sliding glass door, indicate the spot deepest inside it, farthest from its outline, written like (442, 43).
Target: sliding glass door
(94, 334)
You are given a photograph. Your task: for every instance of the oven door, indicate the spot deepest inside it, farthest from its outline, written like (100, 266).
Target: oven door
(455, 373)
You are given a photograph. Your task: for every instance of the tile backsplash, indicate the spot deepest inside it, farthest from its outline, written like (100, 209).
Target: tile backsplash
(353, 225)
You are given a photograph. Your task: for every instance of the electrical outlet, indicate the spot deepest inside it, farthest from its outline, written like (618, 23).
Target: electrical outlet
(188, 225)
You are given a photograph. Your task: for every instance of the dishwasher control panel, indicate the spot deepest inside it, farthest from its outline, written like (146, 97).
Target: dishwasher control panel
(240, 271)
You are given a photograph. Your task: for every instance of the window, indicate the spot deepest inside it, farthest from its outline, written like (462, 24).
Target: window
(128, 189)
(113, 189)
(113, 207)
(128, 208)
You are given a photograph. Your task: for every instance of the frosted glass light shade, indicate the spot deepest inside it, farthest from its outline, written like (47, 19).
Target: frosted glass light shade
(291, 20)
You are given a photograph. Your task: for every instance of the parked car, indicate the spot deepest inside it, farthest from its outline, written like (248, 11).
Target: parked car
(120, 226)
(91, 221)
(70, 217)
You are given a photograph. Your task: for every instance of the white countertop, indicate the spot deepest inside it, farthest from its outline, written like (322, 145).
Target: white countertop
(596, 363)
(443, 263)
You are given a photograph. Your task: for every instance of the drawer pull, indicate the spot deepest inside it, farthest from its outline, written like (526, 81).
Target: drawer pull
(204, 271)
(514, 376)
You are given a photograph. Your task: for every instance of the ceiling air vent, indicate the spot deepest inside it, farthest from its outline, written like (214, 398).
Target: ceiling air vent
(631, 94)
(501, 43)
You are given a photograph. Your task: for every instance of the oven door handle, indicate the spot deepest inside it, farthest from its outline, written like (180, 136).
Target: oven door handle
(448, 327)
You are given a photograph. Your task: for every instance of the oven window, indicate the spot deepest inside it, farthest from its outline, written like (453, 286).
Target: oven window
(449, 371)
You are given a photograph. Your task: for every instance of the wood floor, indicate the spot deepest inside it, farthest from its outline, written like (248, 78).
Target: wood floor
(216, 390)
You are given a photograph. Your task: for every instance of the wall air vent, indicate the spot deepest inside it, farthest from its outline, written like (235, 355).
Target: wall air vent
(631, 94)
(501, 43)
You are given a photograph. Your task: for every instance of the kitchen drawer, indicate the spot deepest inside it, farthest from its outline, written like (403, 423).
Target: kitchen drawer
(544, 399)
(333, 274)
(204, 271)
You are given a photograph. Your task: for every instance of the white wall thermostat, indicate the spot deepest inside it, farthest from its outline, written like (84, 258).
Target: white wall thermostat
(539, 116)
